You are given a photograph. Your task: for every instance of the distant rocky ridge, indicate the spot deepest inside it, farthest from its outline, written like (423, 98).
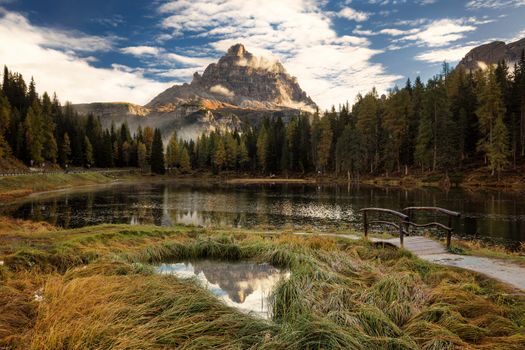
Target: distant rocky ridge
(492, 53)
(239, 87)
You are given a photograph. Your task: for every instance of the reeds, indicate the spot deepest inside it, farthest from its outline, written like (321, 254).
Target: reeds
(100, 291)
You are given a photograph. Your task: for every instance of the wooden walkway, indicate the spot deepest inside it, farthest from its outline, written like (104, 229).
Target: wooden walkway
(417, 245)
(434, 252)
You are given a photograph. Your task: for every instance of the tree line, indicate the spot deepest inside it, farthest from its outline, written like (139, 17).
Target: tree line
(40, 131)
(458, 120)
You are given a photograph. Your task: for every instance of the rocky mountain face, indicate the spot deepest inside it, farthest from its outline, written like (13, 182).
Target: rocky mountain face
(239, 87)
(493, 53)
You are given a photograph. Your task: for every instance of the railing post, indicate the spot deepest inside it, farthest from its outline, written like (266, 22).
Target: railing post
(409, 220)
(449, 231)
(365, 223)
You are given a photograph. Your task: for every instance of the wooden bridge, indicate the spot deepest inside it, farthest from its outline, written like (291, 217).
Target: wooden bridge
(404, 221)
(431, 250)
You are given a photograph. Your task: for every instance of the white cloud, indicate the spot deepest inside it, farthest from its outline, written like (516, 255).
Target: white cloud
(441, 32)
(329, 67)
(398, 32)
(451, 55)
(141, 50)
(494, 4)
(353, 15)
(51, 57)
(221, 90)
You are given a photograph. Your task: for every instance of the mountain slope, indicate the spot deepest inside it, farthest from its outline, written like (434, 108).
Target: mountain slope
(492, 53)
(238, 87)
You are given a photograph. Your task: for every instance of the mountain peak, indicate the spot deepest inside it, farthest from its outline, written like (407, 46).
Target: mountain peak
(239, 79)
(492, 53)
(237, 50)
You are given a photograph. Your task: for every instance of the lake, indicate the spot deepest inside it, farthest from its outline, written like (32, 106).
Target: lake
(489, 215)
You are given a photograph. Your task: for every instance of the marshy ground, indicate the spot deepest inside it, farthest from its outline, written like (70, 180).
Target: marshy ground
(96, 287)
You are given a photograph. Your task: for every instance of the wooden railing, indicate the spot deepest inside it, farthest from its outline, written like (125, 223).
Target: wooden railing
(449, 213)
(405, 220)
(401, 225)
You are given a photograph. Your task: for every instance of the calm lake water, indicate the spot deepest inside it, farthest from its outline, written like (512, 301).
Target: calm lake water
(485, 214)
(243, 285)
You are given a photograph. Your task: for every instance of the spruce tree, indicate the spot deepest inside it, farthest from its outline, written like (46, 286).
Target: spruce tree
(219, 155)
(157, 153)
(172, 152)
(88, 153)
(5, 121)
(65, 151)
(494, 140)
(398, 109)
(324, 144)
(34, 136)
(262, 145)
(244, 157)
(185, 164)
(141, 156)
(368, 127)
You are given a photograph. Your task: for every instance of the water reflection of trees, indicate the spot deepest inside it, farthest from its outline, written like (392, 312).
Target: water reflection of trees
(484, 212)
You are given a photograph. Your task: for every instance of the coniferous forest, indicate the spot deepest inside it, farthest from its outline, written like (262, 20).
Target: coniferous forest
(458, 120)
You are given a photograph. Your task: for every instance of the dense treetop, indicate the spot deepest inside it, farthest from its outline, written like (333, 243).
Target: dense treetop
(458, 119)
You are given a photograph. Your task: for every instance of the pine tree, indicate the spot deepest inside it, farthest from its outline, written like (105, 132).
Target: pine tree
(498, 151)
(50, 151)
(324, 144)
(141, 155)
(368, 127)
(172, 152)
(5, 121)
(423, 150)
(185, 164)
(398, 109)
(519, 82)
(126, 153)
(148, 141)
(231, 149)
(88, 153)
(157, 153)
(244, 157)
(491, 113)
(262, 145)
(65, 151)
(34, 137)
(437, 119)
(219, 155)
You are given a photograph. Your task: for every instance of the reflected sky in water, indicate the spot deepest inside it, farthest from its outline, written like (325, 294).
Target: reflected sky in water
(243, 285)
(485, 214)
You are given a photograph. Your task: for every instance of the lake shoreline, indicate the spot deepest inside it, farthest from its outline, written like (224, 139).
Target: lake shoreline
(17, 187)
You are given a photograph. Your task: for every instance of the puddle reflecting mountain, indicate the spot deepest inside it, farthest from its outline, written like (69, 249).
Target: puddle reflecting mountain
(243, 285)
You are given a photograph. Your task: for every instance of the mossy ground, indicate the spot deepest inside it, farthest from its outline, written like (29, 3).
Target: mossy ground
(95, 288)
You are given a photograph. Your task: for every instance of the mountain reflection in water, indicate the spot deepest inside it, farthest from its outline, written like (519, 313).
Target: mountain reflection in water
(245, 286)
(491, 215)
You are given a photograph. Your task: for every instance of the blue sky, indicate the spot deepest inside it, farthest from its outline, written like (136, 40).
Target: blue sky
(115, 50)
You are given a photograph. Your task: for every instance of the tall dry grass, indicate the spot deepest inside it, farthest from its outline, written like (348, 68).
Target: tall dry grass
(100, 291)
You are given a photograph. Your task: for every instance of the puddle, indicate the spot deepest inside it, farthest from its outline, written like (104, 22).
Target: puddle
(243, 285)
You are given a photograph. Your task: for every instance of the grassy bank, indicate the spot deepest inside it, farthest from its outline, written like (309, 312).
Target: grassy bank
(19, 186)
(95, 288)
(477, 248)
